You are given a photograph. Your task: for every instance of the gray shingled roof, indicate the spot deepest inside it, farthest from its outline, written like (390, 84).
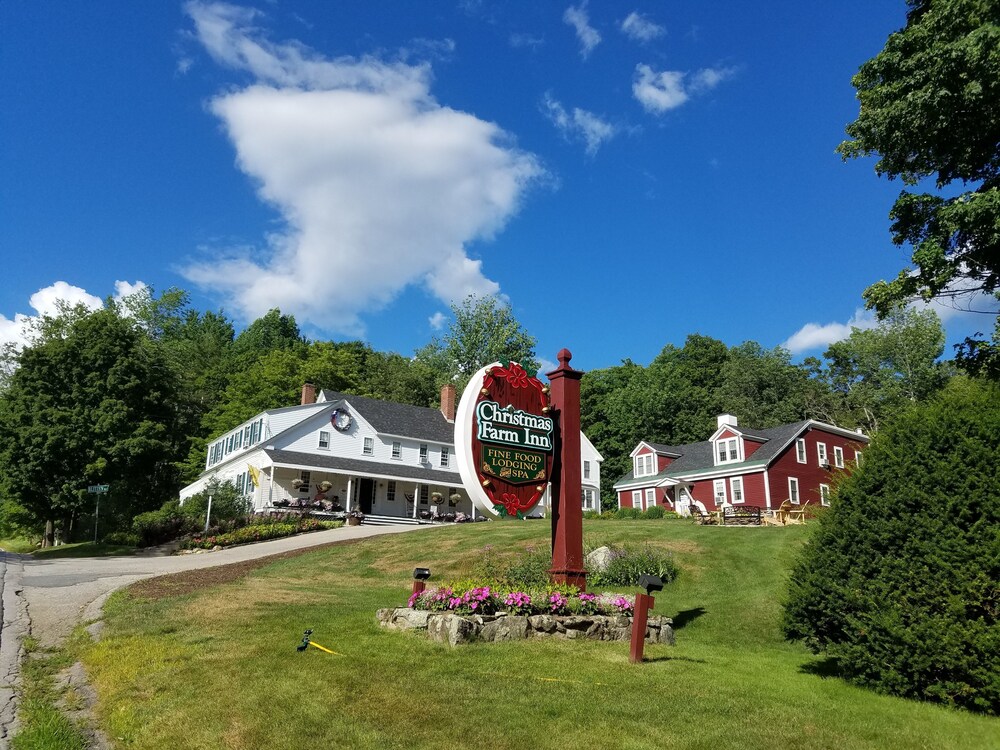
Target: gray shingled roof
(697, 457)
(361, 466)
(404, 420)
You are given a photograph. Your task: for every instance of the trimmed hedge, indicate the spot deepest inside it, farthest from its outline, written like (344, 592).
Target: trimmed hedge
(899, 582)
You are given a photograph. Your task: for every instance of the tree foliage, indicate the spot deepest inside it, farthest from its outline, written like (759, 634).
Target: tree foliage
(930, 108)
(899, 583)
(881, 370)
(677, 398)
(91, 402)
(483, 330)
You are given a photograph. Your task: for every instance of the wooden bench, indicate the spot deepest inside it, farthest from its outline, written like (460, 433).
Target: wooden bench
(734, 515)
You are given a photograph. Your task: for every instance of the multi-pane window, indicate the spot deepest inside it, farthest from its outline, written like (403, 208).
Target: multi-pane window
(857, 458)
(650, 497)
(390, 491)
(425, 494)
(720, 492)
(369, 446)
(637, 499)
(824, 494)
(306, 478)
(800, 450)
(444, 455)
(324, 439)
(727, 450)
(736, 485)
(588, 496)
(397, 449)
(423, 453)
(644, 465)
(586, 469)
(821, 452)
(793, 490)
(838, 457)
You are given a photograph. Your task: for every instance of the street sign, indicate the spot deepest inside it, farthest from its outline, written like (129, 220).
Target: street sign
(96, 489)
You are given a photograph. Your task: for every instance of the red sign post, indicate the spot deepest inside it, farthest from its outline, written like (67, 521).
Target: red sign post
(513, 436)
(567, 508)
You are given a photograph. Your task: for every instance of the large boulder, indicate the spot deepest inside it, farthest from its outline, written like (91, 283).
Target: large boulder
(598, 559)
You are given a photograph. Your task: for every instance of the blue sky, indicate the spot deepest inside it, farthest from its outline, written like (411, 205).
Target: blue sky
(624, 173)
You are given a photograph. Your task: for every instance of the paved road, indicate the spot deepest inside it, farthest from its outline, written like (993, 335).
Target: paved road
(48, 598)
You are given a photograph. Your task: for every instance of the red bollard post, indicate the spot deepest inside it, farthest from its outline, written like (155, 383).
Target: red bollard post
(418, 586)
(640, 616)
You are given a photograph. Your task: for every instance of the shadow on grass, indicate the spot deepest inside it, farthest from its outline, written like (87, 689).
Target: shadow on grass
(828, 667)
(686, 616)
(651, 659)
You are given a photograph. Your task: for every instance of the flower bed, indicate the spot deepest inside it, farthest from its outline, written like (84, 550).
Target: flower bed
(458, 614)
(484, 600)
(258, 532)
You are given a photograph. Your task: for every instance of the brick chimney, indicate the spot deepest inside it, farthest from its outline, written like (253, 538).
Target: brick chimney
(308, 394)
(448, 394)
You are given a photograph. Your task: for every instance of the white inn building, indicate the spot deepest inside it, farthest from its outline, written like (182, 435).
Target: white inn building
(345, 452)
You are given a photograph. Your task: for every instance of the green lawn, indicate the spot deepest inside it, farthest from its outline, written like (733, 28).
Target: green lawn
(219, 668)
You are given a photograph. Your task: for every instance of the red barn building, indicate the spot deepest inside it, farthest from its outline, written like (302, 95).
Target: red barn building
(739, 466)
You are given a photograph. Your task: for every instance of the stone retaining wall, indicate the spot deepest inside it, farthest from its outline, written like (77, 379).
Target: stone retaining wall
(453, 629)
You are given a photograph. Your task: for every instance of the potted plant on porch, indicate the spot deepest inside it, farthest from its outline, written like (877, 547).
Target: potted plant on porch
(354, 518)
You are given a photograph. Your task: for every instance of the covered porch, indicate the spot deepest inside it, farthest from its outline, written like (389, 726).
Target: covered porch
(293, 485)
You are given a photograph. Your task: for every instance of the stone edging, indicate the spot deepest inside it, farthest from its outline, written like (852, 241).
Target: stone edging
(454, 629)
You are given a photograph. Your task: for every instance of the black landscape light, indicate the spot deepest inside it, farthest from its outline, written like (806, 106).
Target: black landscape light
(650, 583)
(419, 576)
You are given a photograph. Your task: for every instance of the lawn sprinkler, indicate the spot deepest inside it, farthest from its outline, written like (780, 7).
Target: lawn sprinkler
(307, 642)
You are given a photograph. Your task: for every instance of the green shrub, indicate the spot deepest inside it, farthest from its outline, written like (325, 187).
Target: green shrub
(629, 562)
(15, 521)
(163, 525)
(899, 582)
(608, 515)
(624, 513)
(122, 538)
(523, 568)
(654, 512)
(591, 515)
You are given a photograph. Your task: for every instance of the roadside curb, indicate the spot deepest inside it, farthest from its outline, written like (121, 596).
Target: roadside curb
(16, 625)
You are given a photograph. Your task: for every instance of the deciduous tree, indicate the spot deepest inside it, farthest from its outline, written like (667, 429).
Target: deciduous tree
(930, 111)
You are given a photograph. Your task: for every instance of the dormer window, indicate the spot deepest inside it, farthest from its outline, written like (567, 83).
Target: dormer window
(728, 451)
(645, 465)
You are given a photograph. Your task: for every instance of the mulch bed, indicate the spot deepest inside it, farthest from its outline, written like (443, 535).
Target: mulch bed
(178, 584)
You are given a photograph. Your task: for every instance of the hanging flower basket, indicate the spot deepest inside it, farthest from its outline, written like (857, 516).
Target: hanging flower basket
(454, 500)
(437, 497)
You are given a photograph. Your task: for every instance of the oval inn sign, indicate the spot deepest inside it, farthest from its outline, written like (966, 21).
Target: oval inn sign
(504, 439)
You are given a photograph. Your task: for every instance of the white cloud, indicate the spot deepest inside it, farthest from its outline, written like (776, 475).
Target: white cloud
(46, 301)
(578, 124)
(124, 289)
(526, 40)
(961, 300)
(380, 186)
(576, 16)
(659, 92)
(817, 336)
(640, 28)
(437, 320)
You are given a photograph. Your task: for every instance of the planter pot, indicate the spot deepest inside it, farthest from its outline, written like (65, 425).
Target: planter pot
(353, 521)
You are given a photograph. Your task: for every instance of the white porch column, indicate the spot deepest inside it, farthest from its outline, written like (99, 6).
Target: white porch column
(270, 488)
(350, 494)
(473, 508)
(416, 499)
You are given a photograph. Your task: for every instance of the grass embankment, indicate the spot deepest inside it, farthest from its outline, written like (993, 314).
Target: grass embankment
(218, 668)
(77, 549)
